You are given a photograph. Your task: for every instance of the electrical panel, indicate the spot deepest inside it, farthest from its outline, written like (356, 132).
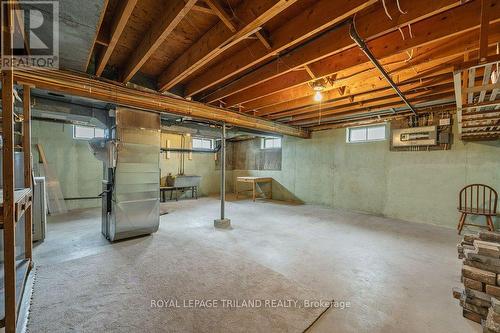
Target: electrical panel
(415, 136)
(432, 131)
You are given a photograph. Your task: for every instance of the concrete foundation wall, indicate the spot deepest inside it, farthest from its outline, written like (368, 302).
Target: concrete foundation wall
(248, 155)
(78, 171)
(200, 165)
(368, 177)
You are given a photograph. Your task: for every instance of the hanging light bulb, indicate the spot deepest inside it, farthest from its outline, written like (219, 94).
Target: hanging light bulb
(318, 87)
(318, 96)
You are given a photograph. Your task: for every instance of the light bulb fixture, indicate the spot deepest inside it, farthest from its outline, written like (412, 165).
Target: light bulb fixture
(318, 87)
(318, 96)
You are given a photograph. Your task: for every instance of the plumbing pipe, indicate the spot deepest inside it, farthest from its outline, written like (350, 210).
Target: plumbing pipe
(362, 45)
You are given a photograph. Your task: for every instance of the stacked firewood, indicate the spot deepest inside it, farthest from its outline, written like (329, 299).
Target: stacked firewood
(480, 295)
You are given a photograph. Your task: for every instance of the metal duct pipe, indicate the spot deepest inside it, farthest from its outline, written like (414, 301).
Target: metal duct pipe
(362, 45)
(197, 150)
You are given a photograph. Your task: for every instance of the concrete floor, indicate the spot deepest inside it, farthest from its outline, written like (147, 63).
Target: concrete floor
(396, 275)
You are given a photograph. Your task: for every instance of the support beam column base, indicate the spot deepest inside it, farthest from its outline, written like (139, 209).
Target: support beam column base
(222, 224)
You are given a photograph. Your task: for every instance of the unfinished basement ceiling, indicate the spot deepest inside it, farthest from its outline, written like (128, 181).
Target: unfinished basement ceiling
(214, 52)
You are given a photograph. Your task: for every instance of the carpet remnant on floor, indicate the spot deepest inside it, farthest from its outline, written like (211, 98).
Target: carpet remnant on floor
(164, 285)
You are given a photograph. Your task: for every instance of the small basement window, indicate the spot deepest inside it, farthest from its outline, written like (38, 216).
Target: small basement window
(199, 143)
(87, 132)
(366, 133)
(271, 143)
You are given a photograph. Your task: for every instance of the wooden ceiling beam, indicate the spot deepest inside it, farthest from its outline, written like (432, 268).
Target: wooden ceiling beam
(102, 41)
(483, 122)
(485, 24)
(477, 104)
(427, 31)
(481, 116)
(203, 9)
(310, 72)
(310, 109)
(385, 104)
(433, 29)
(384, 99)
(222, 14)
(264, 39)
(431, 54)
(481, 136)
(170, 17)
(370, 23)
(84, 86)
(367, 94)
(253, 14)
(430, 61)
(18, 20)
(428, 72)
(380, 105)
(120, 20)
(372, 119)
(323, 14)
(353, 89)
(433, 62)
(369, 79)
(97, 33)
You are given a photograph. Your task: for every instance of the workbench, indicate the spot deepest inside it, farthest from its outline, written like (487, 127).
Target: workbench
(254, 181)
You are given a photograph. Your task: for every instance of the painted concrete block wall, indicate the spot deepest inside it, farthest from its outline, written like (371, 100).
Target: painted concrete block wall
(201, 165)
(78, 171)
(368, 177)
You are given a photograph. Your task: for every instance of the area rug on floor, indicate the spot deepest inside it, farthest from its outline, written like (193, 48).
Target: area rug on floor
(113, 292)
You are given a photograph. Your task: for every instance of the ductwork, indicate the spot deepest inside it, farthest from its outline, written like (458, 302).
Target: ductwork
(131, 181)
(206, 129)
(70, 113)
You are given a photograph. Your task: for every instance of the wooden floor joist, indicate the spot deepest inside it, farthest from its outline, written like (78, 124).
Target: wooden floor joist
(427, 61)
(96, 39)
(322, 50)
(423, 88)
(264, 81)
(384, 103)
(322, 15)
(85, 86)
(261, 58)
(333, 97)
(363, 82)
(120, 20)
(174, 12)
(376, 119)
(252, 14)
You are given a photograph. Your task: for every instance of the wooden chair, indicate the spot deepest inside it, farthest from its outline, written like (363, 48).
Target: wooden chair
(477, 199)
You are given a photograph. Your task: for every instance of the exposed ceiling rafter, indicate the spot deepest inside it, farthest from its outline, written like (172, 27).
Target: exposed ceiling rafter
(322, 15)
(325, 57)
(171, 16)
(252, 14)
(119, 22)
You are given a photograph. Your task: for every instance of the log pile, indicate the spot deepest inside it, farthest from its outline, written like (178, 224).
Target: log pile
(480, 295)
